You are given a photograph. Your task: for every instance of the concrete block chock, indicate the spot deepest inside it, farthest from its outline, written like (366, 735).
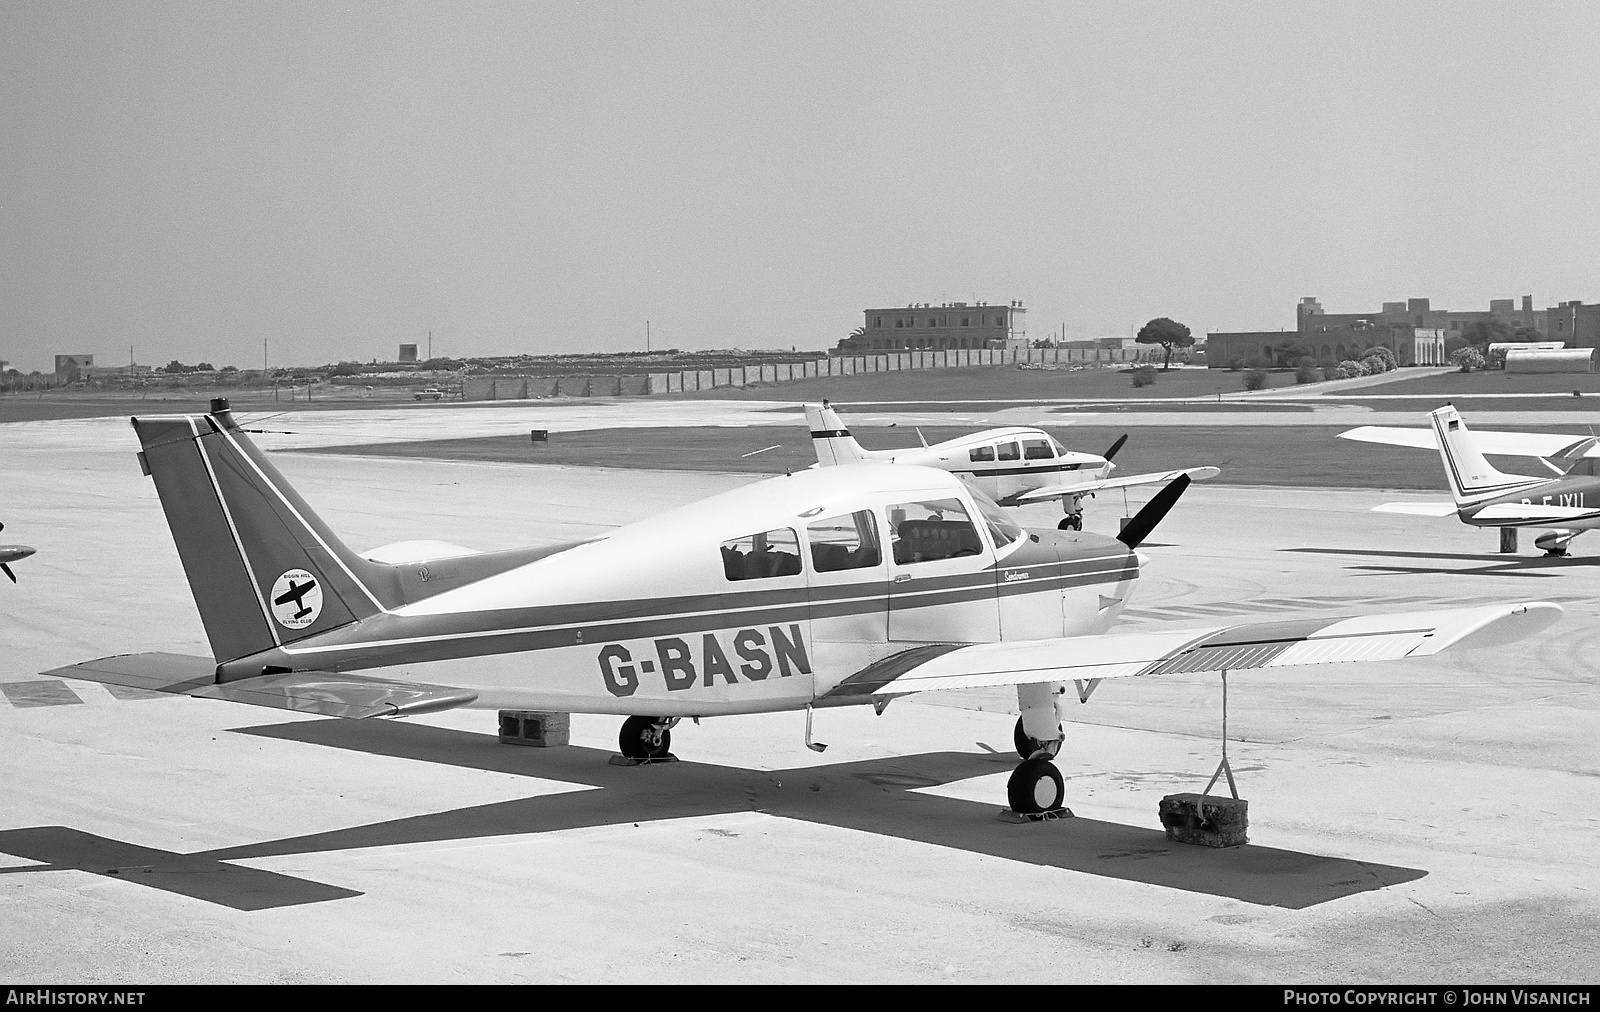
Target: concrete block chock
(539, 728)
(1205, 820)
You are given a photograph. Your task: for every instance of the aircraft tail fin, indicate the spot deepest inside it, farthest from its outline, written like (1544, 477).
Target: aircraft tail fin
(264, 569)
(830, 438)
(1472, 478)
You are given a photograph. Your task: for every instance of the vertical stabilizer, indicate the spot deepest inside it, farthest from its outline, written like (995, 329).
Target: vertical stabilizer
(264, 569)
(1472, 478)
(830, 438)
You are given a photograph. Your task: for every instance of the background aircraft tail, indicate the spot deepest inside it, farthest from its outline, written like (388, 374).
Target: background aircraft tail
(1472, 478)
(265, 570)
(832, 441)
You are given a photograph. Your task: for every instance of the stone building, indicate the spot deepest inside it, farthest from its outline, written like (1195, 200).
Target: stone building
(953, 325)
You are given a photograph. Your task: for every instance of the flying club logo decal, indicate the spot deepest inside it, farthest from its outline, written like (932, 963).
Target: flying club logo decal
(296, 599)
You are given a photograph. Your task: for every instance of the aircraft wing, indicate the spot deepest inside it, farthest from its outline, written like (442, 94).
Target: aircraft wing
(1503, 444)
(1234, 648)
(1418, 509)
(329, 693)
(1534, 512)
(1127, 481)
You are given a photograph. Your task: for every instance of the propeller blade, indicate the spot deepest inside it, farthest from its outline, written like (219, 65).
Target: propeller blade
(1115, 446)
(1146, 519)
(9, 572)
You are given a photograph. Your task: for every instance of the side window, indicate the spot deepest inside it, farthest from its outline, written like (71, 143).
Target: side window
(1008, 451)
(849, 541)
(758, 556)
(981, 453)
(1037, 449)
(931, 530)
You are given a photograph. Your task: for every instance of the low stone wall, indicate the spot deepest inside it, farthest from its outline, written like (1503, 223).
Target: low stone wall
(489, 388)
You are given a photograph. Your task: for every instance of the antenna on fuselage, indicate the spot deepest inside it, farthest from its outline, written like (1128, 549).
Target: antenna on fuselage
(1146, 519)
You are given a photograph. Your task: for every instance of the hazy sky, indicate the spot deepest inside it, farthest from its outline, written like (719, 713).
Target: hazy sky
(193, 178)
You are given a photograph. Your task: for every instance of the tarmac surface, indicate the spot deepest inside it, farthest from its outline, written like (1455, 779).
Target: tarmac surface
(1410, 821)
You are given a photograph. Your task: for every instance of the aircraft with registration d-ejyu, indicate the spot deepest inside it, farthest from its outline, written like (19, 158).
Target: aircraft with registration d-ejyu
(828, 587)
(1014, 465)
(1566, 504)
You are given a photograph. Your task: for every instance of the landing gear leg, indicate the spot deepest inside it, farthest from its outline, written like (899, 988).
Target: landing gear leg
(1072, 506)
(646, 737)
(1036, 786)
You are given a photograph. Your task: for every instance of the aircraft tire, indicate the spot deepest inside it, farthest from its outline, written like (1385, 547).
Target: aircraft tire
(634, 741)
(1025, 745)
(1073, 523)
(1035, 786)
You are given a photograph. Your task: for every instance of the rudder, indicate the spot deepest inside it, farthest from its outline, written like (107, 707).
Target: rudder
(264, 569)
(831, 440)
(1472, 478)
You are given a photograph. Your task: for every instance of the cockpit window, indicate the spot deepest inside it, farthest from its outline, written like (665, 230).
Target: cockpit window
(1008, 451)
(981, 453)
(1037, 449)
(848, 541)
(759, 556)
(1001, 527)
(1061, 451)
(932, 530)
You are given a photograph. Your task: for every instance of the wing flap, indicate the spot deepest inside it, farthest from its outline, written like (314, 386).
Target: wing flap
(1232, 648)
(1127, 481)
(328, 693)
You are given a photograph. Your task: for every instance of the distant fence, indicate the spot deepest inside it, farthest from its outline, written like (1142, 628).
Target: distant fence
(500, 388)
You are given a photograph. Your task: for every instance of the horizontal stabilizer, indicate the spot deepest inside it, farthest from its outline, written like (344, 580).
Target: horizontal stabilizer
(328, 693)
(1418, 509)
(1533, 512)
(1232, 648)
(1499, 444)
(1126, 481)
(403, 552)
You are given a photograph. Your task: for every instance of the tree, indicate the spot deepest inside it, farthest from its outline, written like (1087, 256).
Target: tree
(1487, 332)
(1167, 333)
(1526, 335)
(1287, 354)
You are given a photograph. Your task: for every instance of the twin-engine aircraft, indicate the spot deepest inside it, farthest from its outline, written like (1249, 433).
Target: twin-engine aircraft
(1014, 466)
(1567, 504)
(829, 587)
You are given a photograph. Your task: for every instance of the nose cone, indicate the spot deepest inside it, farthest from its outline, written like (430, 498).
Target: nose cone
(1144, 560)
(11, 553)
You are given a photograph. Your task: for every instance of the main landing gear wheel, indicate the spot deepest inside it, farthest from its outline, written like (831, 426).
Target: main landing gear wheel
(1035, 787)
(1028, 747)
(1071, 523)
(644, 738)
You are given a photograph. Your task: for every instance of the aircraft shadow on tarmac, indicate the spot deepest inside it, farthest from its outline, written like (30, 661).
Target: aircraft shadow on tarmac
(874, 796)
(1538, 566)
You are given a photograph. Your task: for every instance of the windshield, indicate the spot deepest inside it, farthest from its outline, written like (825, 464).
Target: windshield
(1001, 527)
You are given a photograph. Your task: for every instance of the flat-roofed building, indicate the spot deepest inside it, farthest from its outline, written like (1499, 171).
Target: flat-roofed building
(926, 327)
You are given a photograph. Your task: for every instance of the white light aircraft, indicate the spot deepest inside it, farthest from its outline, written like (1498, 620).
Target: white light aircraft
(1566, 504)
(1014, 466)
(829, 587)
